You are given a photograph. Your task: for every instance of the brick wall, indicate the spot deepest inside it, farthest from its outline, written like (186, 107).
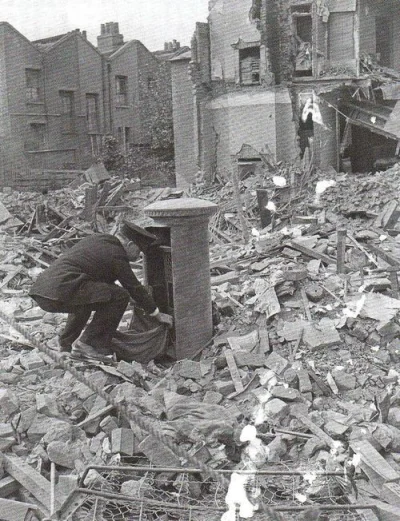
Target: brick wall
(184, 120)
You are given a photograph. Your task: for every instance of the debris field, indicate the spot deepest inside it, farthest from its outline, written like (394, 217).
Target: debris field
(292, 411)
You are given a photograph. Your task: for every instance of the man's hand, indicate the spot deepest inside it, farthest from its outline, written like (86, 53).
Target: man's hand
(163, 318)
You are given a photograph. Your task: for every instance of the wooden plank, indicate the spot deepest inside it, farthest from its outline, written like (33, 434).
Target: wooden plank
(362, 249)
(90, 202)
(104, 193)
(30, 479)
(391, 493)
(263, 337)
(58, 229)
(115, 195)
(387, 512)
(326, 391)
(315, 429)
(231, 276)
(306, 304)
(312, 253)
(8, 486)
(373, 464)
(96, 415)
(230, 359)
(10, 276)
(341, 250)
(16, 510)
(386, 256)
(239, 207)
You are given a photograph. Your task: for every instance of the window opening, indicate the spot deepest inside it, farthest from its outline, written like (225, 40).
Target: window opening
(249, 60)
(121, 90)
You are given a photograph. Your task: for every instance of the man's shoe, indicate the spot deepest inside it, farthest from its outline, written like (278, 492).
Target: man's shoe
(82, 351)
(55, 345)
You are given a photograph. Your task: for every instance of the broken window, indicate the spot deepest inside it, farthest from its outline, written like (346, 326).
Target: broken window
(383, 30)
(67, 111)
(37, 137)
(302, 31)
(92, 113)
(249, 60)
(33, 85)
(121, 90)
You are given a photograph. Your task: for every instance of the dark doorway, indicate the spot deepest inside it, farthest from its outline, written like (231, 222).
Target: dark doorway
(369, 150)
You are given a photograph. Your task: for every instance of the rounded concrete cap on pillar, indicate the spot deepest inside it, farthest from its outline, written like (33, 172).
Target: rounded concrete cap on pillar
(183, 207)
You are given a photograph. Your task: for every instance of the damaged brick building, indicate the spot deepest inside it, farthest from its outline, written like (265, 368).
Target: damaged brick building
(290, 77)
(61, 95)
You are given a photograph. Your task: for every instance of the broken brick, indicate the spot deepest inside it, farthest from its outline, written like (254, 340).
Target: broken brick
(9, 403)
(31, 361)
(122, 442)
(108, 424)
(335, 429)
(189, 369)
(157, 453)
(224, 387)
(344, 380)
(286, 393)
(305, 385)
(47, 404)
(276, 363)
(213, 397)
(275, 409)
(251, 360)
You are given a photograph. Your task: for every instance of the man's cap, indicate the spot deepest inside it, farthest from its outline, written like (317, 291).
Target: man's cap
(141, 237)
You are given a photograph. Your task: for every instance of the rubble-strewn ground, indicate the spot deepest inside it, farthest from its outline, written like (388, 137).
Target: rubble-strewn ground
(315, 365)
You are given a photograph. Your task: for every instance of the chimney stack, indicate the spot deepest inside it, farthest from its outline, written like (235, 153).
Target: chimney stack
(110, 39)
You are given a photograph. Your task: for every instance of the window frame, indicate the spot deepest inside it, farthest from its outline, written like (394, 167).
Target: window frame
(121, 95)
(244, 51)
(34, 144)
(68, 117)
(33, 75)
(92, 127)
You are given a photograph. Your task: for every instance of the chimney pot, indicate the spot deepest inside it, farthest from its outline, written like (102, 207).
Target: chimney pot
(165, 46)
(170, 46)
(116, 28)
(103, 29)
(178, 45)
(84, 34)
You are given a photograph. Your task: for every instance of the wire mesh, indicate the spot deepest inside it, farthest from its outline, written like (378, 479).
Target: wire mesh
(142, 493)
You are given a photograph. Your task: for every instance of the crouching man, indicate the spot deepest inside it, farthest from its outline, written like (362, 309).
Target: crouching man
(82, 280)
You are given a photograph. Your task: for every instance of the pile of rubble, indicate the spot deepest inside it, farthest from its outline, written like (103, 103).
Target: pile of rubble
(302, 375)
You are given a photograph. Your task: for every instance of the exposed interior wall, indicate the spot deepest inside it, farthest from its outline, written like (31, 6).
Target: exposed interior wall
(229, 20)
(286, 138)
(183, 117)
(390, 9)
(325, 136)
(243, 118)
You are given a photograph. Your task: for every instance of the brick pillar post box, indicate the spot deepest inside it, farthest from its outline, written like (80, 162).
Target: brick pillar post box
(177, 269)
